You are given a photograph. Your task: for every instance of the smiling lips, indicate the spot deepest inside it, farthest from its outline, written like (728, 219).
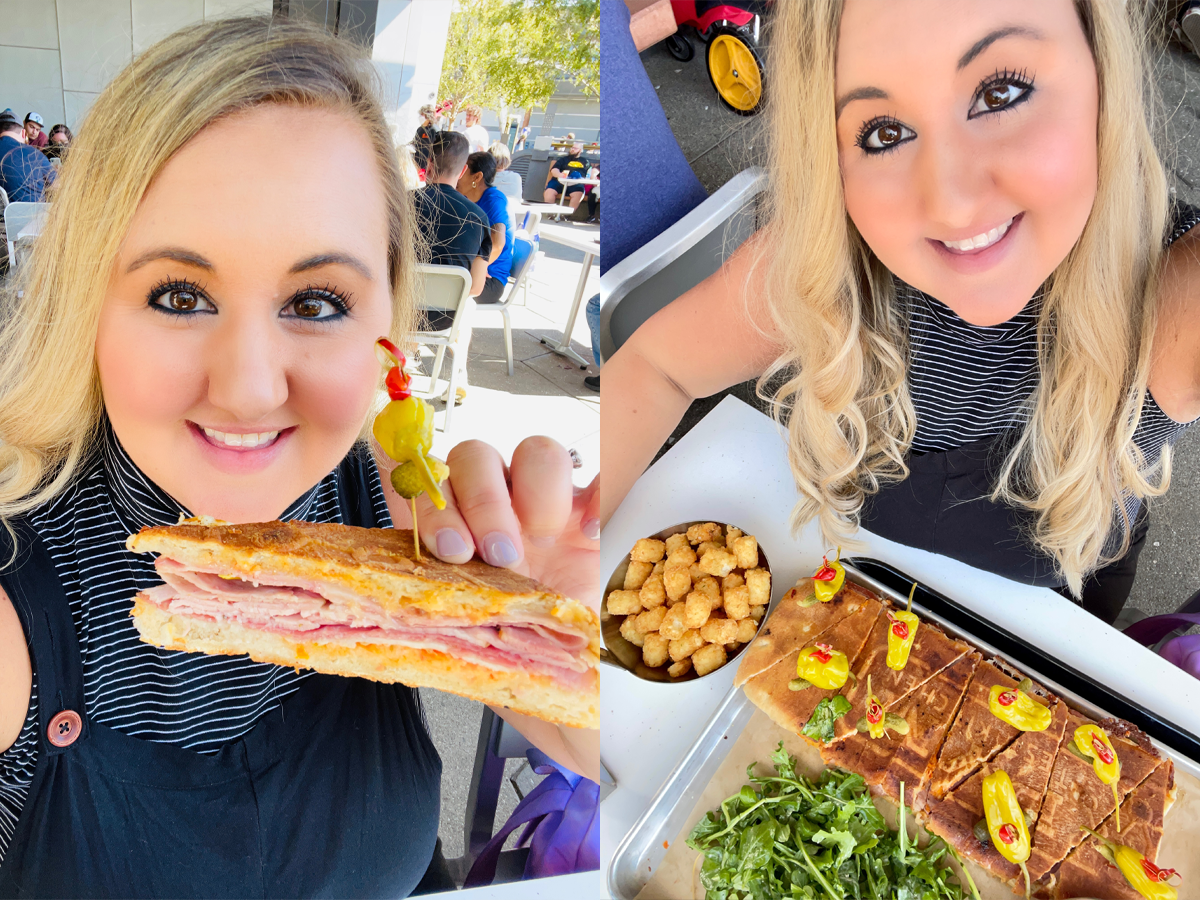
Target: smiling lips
(232, 441)
(980, 241)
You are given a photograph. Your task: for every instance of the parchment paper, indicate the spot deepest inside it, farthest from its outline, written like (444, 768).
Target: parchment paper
(677, 878)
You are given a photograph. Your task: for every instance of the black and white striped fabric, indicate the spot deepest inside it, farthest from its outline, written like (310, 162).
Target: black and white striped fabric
(193, 701)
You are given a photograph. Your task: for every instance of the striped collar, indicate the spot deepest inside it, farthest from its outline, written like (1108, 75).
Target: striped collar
(1020, 329)
(140, 503)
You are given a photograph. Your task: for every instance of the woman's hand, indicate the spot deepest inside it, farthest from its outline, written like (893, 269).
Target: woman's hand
(527, 517)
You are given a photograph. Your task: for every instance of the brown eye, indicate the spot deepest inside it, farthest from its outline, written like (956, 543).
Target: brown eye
(877, 135)
(995, 98)
(1002, 93)
(889, 134)
(308, 307)
(183, 301)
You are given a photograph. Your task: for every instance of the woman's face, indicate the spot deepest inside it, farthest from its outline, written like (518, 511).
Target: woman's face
(235, 347)
(470, 184)
(59, 137)
(967, 140)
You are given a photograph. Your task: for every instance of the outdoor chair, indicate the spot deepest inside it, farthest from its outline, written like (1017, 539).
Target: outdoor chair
(525, 250)
(677, 260)
(530, 222)
(498, 741)
(16, 217)
(448, 305)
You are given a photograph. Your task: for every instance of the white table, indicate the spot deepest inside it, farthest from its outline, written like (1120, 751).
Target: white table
(732, 467)
(562, 196)
(589, 243)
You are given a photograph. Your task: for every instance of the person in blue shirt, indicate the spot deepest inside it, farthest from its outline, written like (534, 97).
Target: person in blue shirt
(24, 171)
(475, 184)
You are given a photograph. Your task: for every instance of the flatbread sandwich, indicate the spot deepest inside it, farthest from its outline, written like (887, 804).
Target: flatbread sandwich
(356, 602)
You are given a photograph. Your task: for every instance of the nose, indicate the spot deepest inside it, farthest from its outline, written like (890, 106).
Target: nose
(954, 178)
(248, 370)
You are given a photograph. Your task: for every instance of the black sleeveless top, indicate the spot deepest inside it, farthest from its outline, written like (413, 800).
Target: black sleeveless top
(225, 736)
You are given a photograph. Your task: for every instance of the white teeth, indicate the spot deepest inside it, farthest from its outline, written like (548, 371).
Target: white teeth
(260, 439)
(980, 240)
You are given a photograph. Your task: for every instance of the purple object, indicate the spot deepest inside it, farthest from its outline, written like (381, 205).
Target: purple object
(1182, 651)
(561, 815)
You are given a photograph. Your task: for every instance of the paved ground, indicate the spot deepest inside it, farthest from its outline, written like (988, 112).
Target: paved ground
(718, 144)
(545, 395)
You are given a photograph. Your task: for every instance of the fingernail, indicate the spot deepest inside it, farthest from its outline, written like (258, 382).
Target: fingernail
(545, 541)
(450, 543)
(590, 529)
(498, 549)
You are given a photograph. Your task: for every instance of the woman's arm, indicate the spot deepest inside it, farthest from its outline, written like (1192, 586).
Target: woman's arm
(698, 345)
(498, 232)
(16, 674)
(1175, 365)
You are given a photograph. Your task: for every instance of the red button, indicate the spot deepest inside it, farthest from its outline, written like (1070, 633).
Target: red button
(64, 728)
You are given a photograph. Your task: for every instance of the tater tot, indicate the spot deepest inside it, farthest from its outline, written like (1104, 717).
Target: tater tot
(708, 585)
(705, 546)
(636, 574)
(684, 554)
(719, 631)
(630, 633)
(718, 561)
(676, 580)
(624, 603)
(746, 550)
(746, 630)
(674, 624)
(731, 535)
(732, 580)
(737, 602)
(650, 620)
(680, 668)
(732, 646)
(696, 572)
(697, 609)
(708, 658)
(653, 593)
(685, 645)
(709, 531)
(759, 582)
(757, 612)
(676, 541)
(648, 550)
(654, 650)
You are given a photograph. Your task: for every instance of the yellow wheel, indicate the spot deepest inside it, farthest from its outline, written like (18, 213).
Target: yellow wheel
(736, 72)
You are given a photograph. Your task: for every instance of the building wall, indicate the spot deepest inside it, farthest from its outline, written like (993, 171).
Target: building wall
(57, 55)
(409, 44)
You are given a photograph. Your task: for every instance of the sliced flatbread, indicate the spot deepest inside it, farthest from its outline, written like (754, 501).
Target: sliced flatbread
(1085, 873)
(894, 759)
(1028, 761)
(792, 626)
(792, 709)
(1077, 798)
(932, 651)
(976, 736)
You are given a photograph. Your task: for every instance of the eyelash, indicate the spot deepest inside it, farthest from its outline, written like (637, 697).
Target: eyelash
(1001, 78)
(341, 302)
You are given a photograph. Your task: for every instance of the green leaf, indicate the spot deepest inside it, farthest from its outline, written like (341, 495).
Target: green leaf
(843, 840)
(828, 711)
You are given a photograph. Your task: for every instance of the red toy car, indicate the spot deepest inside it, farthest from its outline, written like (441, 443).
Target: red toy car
(731, 32)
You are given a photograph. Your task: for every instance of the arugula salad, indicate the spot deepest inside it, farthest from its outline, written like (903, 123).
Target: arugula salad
(786, 836)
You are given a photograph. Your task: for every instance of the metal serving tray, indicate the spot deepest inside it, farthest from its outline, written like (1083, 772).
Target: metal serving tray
(642, 849)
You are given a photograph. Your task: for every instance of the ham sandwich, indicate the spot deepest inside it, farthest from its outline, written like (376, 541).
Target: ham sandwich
(356, 602)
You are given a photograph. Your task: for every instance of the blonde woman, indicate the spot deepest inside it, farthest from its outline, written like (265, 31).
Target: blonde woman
(195, 335)
(984, 349)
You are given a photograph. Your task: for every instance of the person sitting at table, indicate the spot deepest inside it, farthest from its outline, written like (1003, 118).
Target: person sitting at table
(60, 138)
(456, 229)
(476, 185)
(34, 136)
(509, 183)
(593, 196)
(565, 168)
(24, 171)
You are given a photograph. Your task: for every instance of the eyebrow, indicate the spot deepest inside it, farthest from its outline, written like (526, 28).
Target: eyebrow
(194, 259)
(874, 93)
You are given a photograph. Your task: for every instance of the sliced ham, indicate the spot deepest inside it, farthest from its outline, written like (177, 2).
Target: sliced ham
(537, 643)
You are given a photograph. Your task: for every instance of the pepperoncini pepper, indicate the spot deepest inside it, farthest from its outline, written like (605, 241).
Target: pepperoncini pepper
(1006, 820)
(1093, 743)
(876, 722)
(822, 666)
(1016, 707)
(828, 579)
(1143, 876)
(404, 430)
(901, 634)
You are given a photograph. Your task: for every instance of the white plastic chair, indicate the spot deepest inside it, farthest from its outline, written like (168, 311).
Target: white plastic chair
(17, 217)
(447, 291)
(525, 248)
